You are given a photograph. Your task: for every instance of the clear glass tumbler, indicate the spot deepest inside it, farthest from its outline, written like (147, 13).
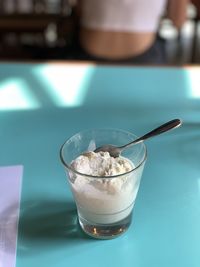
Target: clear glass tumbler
(104, 204)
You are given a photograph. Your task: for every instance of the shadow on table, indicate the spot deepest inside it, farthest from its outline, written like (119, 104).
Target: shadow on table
(49, 223)
(189, 144)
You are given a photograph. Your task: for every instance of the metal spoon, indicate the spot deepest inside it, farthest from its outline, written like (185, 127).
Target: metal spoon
(115, 151)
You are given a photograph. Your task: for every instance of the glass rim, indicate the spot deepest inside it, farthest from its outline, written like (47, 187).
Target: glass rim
(68, 166)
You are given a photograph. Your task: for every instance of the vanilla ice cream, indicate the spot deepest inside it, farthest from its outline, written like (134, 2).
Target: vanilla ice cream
(104, 199)
(101, 164)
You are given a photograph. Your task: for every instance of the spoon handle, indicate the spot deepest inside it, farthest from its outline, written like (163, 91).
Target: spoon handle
(161, 129)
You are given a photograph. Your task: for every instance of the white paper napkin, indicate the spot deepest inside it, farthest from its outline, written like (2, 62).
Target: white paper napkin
(10, 191)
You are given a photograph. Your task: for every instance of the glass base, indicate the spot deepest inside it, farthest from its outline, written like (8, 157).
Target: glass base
(105, 231)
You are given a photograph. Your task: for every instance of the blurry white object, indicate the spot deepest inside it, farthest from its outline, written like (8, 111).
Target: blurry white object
(10, 190)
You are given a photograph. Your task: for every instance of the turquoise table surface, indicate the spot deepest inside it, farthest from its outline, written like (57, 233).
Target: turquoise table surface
(41, 105)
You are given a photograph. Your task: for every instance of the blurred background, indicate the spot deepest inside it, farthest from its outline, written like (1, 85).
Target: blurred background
(47, 30)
